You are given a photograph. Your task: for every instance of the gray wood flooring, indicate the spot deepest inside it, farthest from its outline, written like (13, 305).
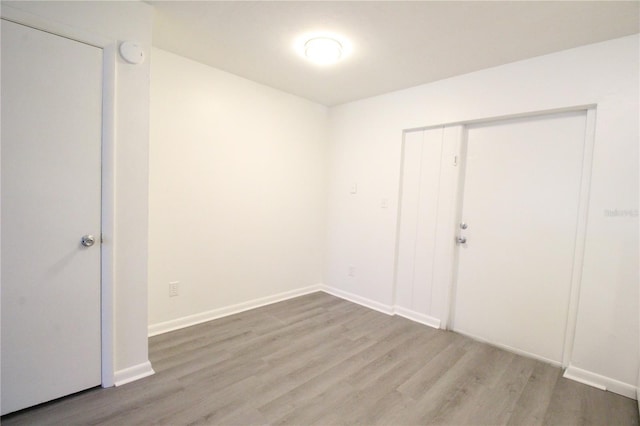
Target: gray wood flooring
(321, 360)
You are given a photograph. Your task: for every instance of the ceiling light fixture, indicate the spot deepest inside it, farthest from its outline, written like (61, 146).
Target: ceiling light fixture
(323, 50)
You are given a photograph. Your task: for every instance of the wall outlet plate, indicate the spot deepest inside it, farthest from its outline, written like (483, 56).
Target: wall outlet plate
(174, 287)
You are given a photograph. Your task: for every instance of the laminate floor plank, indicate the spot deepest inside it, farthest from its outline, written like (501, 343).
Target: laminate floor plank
(364, 324)
(450, 395)
(314, 411)
(321, 360)
(242, 322)
(492, 402)
(535, 398)
(575, 403)
(338, 367)
(284, 379)
(209, 403)
(328, 330)
(431, 370)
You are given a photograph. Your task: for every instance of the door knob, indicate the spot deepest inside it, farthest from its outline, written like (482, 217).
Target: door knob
(88, 240)
(461, 240)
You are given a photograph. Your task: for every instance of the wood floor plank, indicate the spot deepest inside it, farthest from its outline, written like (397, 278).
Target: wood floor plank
(432, 369)
(535, 398)
(494, 401)
(318, 359)
(285, 379)
(210, 403)
(339, 366)
(576, 403)
(450, 397)
(314, 411)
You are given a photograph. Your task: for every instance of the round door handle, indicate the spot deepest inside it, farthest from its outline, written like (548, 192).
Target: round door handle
(461, 240)
(88, 240)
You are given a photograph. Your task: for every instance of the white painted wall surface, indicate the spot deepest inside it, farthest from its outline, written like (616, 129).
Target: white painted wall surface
(237, 192)
(121, 21)
(365, 147)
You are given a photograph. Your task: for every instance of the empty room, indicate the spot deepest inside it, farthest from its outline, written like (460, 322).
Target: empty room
(320, 212)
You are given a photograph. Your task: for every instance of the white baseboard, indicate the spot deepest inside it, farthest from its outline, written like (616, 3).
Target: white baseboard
(385, 309)
(131, 374)
(510, 348)
(164, 327)
(368, 303)
(417, 317)
(176, 324)
(600, 382)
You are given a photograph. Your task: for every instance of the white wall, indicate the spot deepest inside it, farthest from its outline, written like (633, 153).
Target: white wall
(237, 192)
(120, 21)
(365, 148)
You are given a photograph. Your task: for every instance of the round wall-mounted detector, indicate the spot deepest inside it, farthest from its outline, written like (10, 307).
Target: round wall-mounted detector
(132, 52)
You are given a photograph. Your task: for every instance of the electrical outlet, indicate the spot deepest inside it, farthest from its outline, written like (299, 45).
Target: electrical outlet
(352, 271)
(174, 286)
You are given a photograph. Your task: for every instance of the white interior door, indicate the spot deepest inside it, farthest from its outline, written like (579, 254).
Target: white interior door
(520, 203)
(50, 193)
(422, 152)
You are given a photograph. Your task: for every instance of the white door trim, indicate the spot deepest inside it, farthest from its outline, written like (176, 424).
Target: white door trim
(581, 235)
(109, 49)
(457, 186)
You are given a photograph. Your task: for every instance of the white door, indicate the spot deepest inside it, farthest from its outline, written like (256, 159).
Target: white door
(418, 219)
(50, 193)
(520, 203)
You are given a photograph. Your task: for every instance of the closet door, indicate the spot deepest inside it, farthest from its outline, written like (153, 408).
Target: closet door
(51, 168)
(421, 168)
(520, 207)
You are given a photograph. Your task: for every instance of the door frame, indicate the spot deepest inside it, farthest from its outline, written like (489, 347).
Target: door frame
(581, 223)
(108, 143)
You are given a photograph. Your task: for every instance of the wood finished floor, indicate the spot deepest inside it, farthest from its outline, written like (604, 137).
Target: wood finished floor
(320, 360)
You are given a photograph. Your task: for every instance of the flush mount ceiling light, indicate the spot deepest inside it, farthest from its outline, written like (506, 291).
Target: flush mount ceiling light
(323, 50)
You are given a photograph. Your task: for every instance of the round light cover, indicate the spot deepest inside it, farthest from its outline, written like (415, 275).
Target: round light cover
(323, 50)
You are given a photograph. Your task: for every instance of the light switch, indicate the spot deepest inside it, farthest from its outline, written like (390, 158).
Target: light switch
(354, 188)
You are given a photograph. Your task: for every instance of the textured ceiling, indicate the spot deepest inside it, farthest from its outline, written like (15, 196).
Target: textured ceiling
(396, 44)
